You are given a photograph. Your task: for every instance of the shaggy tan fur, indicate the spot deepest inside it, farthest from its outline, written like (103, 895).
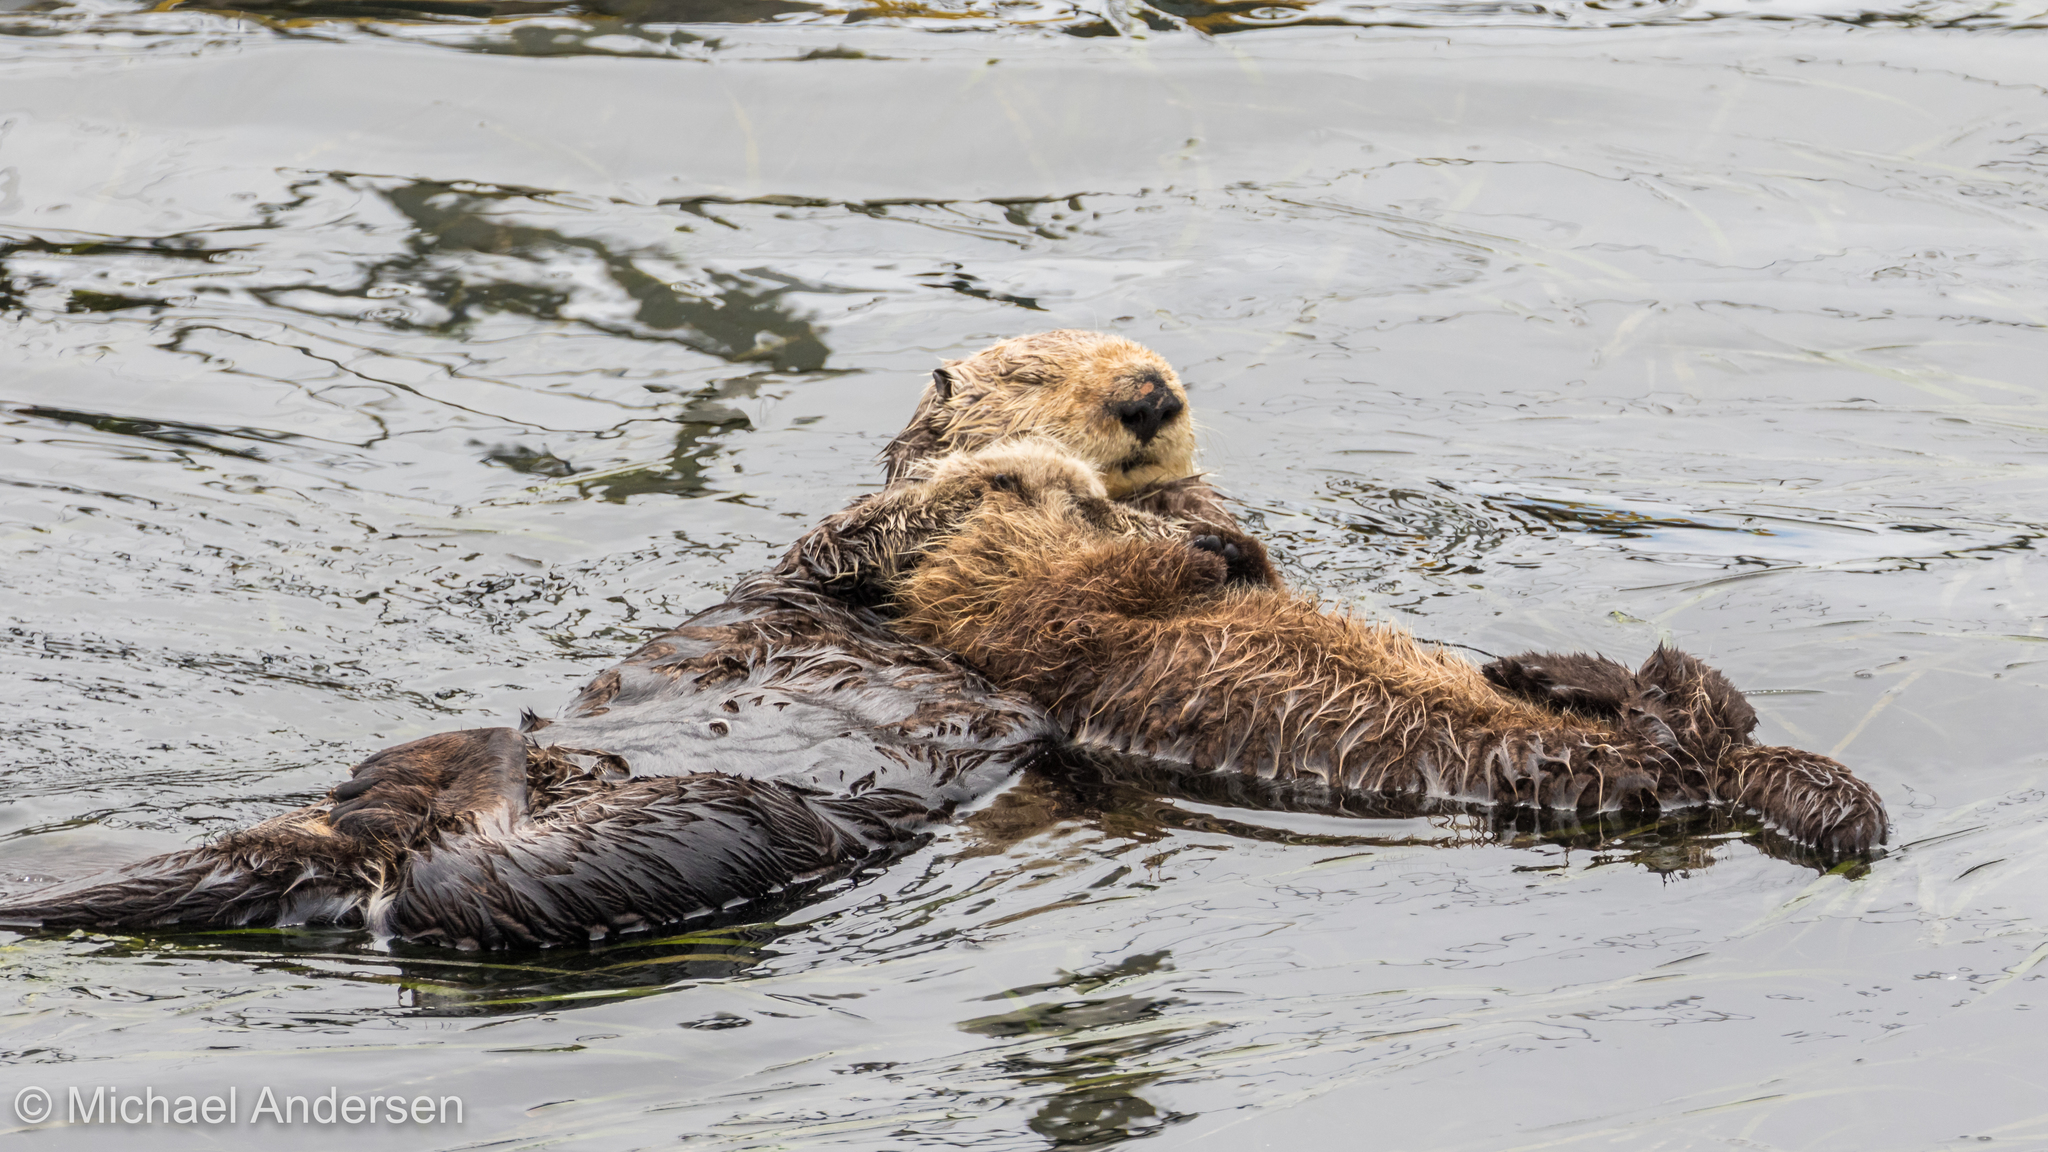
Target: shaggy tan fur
(861, 554)
(1113, 403)
(1138, 640)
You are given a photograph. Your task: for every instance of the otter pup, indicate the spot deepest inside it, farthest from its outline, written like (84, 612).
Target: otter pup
(1138, 640)
(1120, 407)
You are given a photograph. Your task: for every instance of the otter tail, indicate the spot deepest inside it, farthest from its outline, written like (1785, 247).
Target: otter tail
(283, 871)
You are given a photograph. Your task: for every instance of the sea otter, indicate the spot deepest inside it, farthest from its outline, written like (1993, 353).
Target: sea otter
(1121, 408)
(1143, 640)
(779, 739)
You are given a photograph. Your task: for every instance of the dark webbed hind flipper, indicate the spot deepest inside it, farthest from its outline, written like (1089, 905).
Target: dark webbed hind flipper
(1586, 684)
(1674, 702)
(649, 851)
(1810, 798)
(1691, 711)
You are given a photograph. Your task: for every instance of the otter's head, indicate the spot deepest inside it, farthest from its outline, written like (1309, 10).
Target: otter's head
(1031, 485)
(1115, 404)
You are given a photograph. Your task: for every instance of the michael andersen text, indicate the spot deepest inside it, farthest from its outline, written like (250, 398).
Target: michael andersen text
(113, 1105)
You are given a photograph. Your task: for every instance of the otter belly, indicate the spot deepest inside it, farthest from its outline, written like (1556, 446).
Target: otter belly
(783, 684)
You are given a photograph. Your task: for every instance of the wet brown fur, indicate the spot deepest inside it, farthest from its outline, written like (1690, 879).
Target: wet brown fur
(1139, 641)
(484, 839)
(494, 837)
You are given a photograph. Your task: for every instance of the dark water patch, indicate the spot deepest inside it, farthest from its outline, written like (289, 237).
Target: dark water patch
(966, 283)
(521, 458)
(591, 36)
(85, 301)
(1083, 1047)
(683, 473)
(167, 432)
(444, 983)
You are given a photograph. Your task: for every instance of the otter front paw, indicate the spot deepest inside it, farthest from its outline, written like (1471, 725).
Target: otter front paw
(1705, 712)
(1590, 685)
(1244, 559)
(1210, 566)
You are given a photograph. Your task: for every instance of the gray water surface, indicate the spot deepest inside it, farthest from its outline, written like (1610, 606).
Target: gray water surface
(373, 377)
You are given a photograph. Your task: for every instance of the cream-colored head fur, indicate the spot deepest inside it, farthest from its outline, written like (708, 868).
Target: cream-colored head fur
(1033, 485)
(1112, 402)
(1036, 465)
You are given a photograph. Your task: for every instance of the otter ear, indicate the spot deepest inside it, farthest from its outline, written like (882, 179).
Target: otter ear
(942, 383)
(1006, 482)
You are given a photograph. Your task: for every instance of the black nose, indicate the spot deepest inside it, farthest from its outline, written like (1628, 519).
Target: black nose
(1144, 415)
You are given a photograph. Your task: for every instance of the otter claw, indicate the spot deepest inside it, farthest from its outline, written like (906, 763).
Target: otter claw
(1207, 543)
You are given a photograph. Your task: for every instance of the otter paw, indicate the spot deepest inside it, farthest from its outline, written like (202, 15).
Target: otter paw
(1244, 559)
(1209, 568)
(1591, 685)
(1706, 714)
(398, 795)
(1647, 724)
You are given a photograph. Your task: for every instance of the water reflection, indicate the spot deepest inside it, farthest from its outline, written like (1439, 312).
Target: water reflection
(464, 256)
(436, 982)
(1126, 798)
(178, 433)
(1091, 1051)
(468, 255)
(436, 269)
